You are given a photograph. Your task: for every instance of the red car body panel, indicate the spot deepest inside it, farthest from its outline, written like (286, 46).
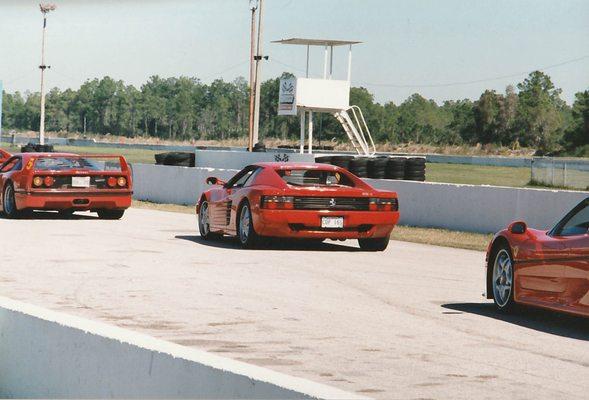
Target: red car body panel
(4, 155)
(224, 204)
(80, 199)
(550, 271)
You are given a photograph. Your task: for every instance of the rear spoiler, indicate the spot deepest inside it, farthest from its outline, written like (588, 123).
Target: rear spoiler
(4, 154)
(122, 161)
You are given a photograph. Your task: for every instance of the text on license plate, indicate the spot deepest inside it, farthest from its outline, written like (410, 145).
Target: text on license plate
(332, 222)
(81, 181)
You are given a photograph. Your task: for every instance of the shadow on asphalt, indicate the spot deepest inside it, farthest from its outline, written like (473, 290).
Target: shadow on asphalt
(275, 244)
(51, 215)
(533, 318)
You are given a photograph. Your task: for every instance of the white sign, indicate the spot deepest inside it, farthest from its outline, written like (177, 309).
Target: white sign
(287, 96)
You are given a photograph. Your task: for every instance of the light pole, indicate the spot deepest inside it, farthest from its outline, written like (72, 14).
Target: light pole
(253, 8)
(258, 73)
(45, 9)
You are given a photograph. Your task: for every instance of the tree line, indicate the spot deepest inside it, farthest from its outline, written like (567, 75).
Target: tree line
(531, 114)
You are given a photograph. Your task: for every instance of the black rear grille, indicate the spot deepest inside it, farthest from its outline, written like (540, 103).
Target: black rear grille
(331, 203)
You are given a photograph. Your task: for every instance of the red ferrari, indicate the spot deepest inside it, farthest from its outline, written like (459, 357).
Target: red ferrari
(547, 269)
(66, 183)
(4, 155)
(295, 200)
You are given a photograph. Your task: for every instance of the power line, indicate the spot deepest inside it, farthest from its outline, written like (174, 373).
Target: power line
(461, 83)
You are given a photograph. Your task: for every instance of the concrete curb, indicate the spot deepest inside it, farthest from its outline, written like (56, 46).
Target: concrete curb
(49, 354)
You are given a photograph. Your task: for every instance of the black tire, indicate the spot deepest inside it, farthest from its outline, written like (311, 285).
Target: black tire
(323, 160)
(502, 279)
(9, 202)
(342, 161)
(66, 213)
(176, 158)
(415, 161)
(204, 227)
(247, 236)
(374, 244)
(110, 214)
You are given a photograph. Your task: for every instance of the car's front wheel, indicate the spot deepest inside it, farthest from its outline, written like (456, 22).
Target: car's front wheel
(374, 244)
(204, 223)
(248, 238)
(502, 279)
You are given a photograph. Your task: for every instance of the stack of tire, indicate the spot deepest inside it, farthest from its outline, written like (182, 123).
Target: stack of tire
(395, 168)
(377, 167)
(342, 161)
(176, 158)
(415, 169)
(359, 166)
(323, 159)
(37, 148)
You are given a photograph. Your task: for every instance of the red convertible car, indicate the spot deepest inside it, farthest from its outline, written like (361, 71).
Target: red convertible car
(547, 269)
(295, 200)
(66, 183)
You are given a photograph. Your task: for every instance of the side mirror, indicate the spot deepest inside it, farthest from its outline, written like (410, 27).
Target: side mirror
(518, 227)
(211, 180)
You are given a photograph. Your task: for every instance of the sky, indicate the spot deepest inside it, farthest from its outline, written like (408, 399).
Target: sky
(442, 49)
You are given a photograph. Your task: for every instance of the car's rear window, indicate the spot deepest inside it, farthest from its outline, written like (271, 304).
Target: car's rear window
(77, 163)
(314, 177)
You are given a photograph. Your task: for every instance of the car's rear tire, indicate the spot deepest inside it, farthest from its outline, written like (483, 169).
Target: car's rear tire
(110, 214)
(204, 226)
(374, 244)
(502, 278)
(66, 213)
(246, 234)
(9, 202)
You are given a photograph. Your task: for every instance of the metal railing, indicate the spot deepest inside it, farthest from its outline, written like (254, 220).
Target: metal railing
(560, 172)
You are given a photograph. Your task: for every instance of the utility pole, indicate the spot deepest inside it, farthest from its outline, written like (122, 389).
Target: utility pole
(253, 8)
(45, 9)
(258, 72)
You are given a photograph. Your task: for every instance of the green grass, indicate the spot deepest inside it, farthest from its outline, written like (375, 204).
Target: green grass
(478, 174)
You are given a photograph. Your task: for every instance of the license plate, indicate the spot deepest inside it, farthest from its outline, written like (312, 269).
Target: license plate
(81, 181)
(332, 222)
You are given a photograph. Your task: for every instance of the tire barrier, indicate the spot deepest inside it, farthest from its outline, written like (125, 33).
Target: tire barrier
(342, 161)
(359, 166)
(176, 158)
(37, 148)
(380, 167)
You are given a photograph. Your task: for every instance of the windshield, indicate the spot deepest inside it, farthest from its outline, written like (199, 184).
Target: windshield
(77, 163)
(314, 177)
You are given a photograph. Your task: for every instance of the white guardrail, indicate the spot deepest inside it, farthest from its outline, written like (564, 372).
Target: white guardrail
(470, 208)
(46, 354)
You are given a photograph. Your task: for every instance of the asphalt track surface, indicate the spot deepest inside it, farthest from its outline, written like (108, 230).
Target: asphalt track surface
(406, 323)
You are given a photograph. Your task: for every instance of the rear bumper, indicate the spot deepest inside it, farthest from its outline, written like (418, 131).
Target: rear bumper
(77, 200)
(307, 224)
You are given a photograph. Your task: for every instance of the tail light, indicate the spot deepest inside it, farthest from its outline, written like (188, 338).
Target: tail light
(378, 204)
(111, 181)
(37, 181)
(48, 181)
(278, 202)
(122, 181)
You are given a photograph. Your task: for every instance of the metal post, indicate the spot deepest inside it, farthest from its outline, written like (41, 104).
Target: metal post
(310, 132)
(307, 71)
(255, 137)
(350, 64)
(253, 7)
(302, 145)
(42, 67)
(330, 61)
(325, 64)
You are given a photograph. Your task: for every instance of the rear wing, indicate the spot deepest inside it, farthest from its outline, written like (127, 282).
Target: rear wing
(4, 155)
(99, 162)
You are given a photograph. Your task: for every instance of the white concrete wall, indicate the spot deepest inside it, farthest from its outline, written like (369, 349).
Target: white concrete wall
(240, 159)
(477, 208)
(175, 185)
(45, 354)
(470, 208)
